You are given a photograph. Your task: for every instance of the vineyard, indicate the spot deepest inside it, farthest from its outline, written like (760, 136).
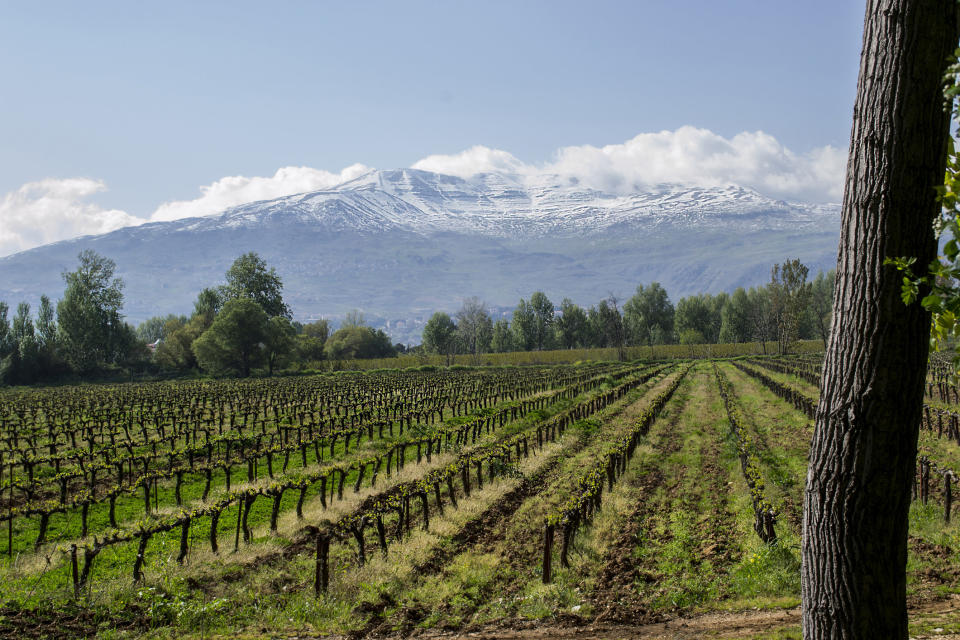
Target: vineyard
(407, 501)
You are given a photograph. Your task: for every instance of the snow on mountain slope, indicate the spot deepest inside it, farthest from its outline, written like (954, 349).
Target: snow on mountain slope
(501, 205)
(407, 242)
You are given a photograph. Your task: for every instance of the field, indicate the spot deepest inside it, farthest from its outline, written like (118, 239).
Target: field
(634, 499)
(565, 356)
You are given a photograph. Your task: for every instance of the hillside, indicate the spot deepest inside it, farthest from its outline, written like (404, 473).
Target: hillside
(401, 244)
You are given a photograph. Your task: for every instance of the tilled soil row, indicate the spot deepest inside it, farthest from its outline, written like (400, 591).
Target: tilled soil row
(786, 439)
(484, 530)
(721, 522)
(477, 531)
(716, 530)
(614, 598)
(71, 622)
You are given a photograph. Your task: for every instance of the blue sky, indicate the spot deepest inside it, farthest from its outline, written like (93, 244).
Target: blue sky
(153, 101)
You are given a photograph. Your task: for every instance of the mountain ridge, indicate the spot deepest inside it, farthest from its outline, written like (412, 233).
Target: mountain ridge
(402, 243)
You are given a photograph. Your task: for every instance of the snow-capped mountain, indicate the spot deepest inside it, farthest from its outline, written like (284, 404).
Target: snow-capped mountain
(504, 206)
(403, 243)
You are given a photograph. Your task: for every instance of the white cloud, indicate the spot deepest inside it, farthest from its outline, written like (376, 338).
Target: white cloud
(56, 209)
(687, 155)
(235, 190)
(52, 209)
(477, 159)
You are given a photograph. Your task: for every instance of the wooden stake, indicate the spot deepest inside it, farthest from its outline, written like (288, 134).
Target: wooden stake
(547, 553)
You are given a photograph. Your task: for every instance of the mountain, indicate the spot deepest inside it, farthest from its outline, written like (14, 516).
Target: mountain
(401, 244)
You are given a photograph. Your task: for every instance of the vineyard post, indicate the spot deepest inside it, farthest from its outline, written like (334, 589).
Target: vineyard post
(246, 513)
(436, 493)
(275, 511)
(76, 575)
(322, 574)
(184, 538)
(547, 552)
(141, 552)
(450, 491)
(214, 519)
(303, 495)
(426, 510)
(947, 495)
(381, 534)
(357, 530)
(88, 555)
(924, 481)
(236, 537)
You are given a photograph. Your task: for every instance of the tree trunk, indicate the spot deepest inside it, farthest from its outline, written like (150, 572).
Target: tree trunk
(865, 442)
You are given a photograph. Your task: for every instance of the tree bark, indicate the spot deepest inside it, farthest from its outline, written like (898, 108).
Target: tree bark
(865, 442)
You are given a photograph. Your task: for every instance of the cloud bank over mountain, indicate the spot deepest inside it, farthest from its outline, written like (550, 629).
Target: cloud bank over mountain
(233, 190)
(56, 209)
(687, 156)
(49, 210)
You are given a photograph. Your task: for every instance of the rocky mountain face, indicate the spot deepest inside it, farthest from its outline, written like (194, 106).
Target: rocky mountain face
(401, 244)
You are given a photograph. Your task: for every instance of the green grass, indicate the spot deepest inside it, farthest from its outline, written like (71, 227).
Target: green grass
(681, 515)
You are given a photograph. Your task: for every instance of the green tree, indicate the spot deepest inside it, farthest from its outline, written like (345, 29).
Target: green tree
(543, 315)
(571, 325)
(47, 323)
(90, 327)
(789, 295)
(249, 277)
(319, 329)
(761, 315)
(46, 326)
(153, 329)
(735, 324)
(22, 326)
(354, 318)
(474, 326)
(176, 350)
(207, 306)
(22, 362)
(611, 322)
(821, 303)
(440, 335)
(279, 342)
(312, 340)
(595, 331)
(355, 341)
(523, 326)
(178, 333)
(234, 342)
(648, 315)
(501, 340)
(697, 319)
(5, 341)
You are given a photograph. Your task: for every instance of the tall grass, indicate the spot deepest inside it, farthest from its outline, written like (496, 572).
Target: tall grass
(563, 356)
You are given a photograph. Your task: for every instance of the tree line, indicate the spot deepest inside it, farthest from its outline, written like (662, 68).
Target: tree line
(234, 328)
(84, 331)
(788, 308)
(244, 325)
